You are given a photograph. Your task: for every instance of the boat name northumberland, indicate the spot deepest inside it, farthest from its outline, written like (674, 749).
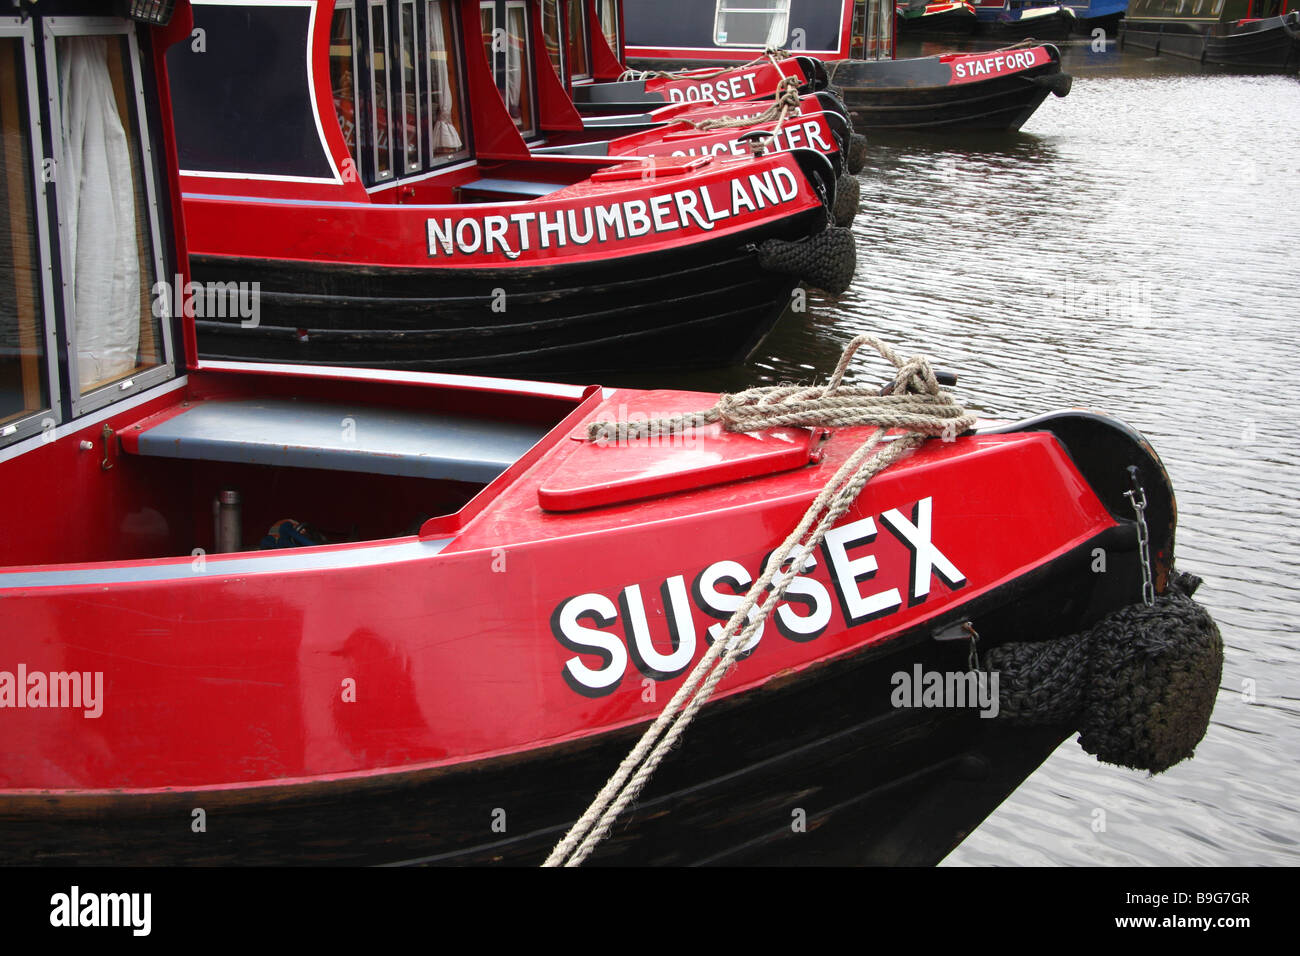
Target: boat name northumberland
(695, 208)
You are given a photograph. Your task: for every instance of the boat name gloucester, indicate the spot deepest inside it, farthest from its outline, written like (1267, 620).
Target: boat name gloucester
(719, 91)
(989, 65)
(514, 233)
(580, 623)
(791, 136)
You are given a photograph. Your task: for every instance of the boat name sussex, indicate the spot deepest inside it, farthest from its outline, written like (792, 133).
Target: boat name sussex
(803, 616)
(517, 232)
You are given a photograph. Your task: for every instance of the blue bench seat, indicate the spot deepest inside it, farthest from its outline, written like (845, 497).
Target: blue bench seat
(364, 438)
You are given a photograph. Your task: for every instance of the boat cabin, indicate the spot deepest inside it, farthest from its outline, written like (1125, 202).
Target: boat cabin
(119, 444)
(677, 33)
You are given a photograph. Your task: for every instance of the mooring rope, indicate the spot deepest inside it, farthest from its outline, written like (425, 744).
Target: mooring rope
(770, 53)
(913, 401)
(787, 104)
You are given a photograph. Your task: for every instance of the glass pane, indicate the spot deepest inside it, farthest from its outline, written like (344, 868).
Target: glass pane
(341, 80)
(487, 17)
(410, 92)
(379, 109)
(518, 95)
(607, 10)
(24, 388)
(758, 23)
(446, 127)
(579, 61)
(551, 33)
(111, 270)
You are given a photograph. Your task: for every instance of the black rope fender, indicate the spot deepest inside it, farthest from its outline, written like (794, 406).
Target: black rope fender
(848, 195)
(826, 260)
(1140, 685)
(857, 153)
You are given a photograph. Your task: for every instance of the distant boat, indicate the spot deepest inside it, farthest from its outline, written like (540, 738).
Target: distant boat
(991, 90)
(921, 19)
(1253, 34)
(1093, 15)
(1023, 19)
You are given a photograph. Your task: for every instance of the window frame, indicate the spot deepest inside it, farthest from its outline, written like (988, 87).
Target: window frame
(718, 11)
(373, 105)
(400, 9)
(584, 40)
(34, 422)
(500, 65)
(357, 120)
(454, 53)
(613, 7)
(82, 404)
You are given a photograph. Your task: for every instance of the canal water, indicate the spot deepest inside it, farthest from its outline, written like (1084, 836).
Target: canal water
(1135, 250)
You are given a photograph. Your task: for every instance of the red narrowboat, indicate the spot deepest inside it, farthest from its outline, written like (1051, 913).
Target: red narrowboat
(262, 613)
(991, 90)
(427, 236)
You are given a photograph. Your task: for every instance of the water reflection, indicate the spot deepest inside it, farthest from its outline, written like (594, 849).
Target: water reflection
(1134, 251)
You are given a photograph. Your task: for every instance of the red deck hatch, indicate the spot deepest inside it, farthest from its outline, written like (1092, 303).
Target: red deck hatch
(592, 475)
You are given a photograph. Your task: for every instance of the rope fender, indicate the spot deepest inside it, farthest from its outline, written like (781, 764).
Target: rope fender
(848, 196)
(826, 260)
(1140, 685)
(857, 153)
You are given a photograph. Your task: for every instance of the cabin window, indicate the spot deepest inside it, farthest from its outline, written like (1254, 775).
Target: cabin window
(446, 113)
(342, 79)
(551, 34)
(409, 114)
(579, 45)
(112, 258)
(509, 54)
(607, 11)
(755, 23)
(26, 401)
(380, 114)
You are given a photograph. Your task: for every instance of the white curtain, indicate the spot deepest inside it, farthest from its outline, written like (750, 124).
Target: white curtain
(445, 135)
(514, 65)
(778, 32)
(98, 195)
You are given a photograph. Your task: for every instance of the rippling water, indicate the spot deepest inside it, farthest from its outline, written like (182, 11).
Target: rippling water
(1133, 250)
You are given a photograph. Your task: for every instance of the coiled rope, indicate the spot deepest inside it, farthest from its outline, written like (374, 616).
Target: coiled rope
(913, 401)
(787, 104)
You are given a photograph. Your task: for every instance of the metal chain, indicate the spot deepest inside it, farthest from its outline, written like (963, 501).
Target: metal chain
(1138, 499)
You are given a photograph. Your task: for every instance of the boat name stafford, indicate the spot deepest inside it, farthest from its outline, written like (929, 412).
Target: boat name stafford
(514, 233)
(1001, 63)
(804, 615)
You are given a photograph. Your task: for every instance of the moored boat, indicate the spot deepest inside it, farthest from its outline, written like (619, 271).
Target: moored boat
(993, 90)
(1250, 34)
(432, 238)
(997, 90)
(474, 592)
(1092, 15)
(1024, 20)
(921, 19)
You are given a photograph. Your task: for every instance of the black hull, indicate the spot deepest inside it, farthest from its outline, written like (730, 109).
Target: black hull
(921, 99)
(1057, 27)
(878, 784)
(950, 23)
(1274, 48)
(1173, 40)
(710, 305)
(1083, 26)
